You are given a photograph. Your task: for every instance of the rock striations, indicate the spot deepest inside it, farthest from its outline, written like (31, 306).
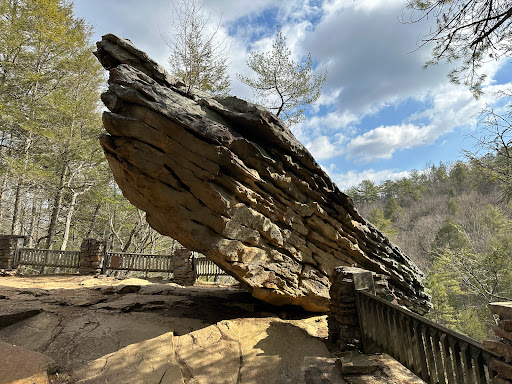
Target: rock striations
(225, 178)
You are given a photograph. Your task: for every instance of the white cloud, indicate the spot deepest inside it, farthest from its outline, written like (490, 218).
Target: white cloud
(352, 178)
(366, 52)
(233, 10)
(364, 48)
(322, 147)
(382, 142)
(453, 107)
(327, 124)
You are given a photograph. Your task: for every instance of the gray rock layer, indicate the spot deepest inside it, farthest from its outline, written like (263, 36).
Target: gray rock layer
(225, 178)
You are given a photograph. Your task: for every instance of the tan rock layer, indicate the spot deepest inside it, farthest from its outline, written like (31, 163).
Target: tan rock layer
(501, 347)
(225, 178)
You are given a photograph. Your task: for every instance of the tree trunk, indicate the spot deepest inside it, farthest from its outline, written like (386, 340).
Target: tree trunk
(33, 215)
(3, 186)
(130, 238)
(93, 220)
(16, 211)
(68, 220)
(2, 192)
(15, 228)
(57, 206)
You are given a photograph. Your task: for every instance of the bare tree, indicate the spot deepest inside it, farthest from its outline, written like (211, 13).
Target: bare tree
(468, 32)
(199, 57)
(497, 145)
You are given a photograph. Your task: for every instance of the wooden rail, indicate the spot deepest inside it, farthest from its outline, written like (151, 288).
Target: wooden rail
(433, 352)
(206, 267)
(48, 258)
(113, 261)
(138, 262)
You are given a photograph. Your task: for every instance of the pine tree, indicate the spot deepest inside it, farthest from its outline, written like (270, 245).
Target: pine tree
(282, 85)
(49, 93)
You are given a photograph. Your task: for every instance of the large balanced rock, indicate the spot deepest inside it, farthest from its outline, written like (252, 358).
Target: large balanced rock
(226, 178)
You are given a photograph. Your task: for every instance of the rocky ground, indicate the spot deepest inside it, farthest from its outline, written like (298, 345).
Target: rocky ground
(71, 329)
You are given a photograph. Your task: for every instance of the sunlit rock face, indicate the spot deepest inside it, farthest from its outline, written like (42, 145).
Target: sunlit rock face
(226, 178)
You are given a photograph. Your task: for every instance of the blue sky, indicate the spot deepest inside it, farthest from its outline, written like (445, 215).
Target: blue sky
(380, 114)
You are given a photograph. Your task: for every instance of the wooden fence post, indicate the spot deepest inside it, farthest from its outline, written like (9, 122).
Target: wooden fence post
(502, 346)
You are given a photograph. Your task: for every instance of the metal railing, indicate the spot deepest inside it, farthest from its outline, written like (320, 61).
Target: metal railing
(138, 262)
(206, 267)
(433, 352)
(47, 258)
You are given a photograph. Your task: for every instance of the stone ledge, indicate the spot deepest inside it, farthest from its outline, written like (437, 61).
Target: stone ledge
(502, 309)
(10, 318)
(19, 365)
(504, 369)
(499, 349)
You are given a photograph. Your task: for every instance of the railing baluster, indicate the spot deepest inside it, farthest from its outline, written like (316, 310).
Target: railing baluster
(377, 330)
(383, 330)
(409, 348)
(459, 371)
(369, 320)
(395, 335)
(478, 364)
(436, 344)
(369, 332)
(361, 314)
(400, 339)
(425, 330)
(468, 366)
(447, 359)
(389, 331)
(381, 336)
(420, 347)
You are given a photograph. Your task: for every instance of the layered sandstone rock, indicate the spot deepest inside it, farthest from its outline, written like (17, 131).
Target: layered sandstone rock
(225, 178)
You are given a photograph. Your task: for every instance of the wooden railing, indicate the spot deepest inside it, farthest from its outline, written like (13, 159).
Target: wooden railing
(433, 352)
(113, 261)
(138, 262)
(47, 258)
(206, 267)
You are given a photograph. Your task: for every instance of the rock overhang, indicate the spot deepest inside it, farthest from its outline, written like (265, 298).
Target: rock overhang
(226, 178)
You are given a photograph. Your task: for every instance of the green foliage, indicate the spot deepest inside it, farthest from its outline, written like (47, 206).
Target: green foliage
(450, 235)
(474, 321)
(55, 185)
(438, 174)
(459, 175)
(198, 59)
(443, 285)
(366, 192)
(452, 205)
(281, 84)
(451, 221)
(496, 164)
(392, 210)
(385, 225)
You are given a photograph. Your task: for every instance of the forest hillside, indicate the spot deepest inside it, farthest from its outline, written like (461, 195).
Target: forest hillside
(455, 222)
